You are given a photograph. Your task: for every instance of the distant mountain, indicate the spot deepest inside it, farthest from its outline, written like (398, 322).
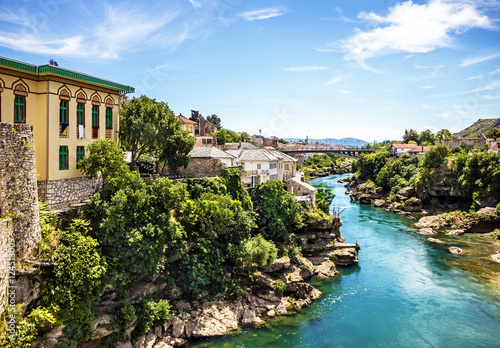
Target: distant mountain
(481, 126)
(333, 141)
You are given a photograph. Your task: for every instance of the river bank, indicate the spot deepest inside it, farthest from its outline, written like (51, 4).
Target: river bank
(405, 292)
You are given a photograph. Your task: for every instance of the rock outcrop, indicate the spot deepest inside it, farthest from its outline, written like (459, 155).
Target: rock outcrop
(456, 251)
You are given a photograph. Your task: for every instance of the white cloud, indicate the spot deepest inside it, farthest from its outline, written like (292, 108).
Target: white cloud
(344, 91)
(492, 96)
(121, 29)
(428, 87)
(414, 28)
(473, 78)
(307, 68)
(262, 14)
(196, 4)
(494, 72)
(479, 59)
(334, 80)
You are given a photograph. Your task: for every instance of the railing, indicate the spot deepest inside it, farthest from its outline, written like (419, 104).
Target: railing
(257, 172)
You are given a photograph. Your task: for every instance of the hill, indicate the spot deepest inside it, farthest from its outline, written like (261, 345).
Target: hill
(333, 141)
(480, 126)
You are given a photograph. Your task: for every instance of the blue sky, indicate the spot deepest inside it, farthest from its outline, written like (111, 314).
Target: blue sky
(366, 69)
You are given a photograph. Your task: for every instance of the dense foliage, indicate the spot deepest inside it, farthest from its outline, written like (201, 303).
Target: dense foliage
(150, 127)
(278, 211)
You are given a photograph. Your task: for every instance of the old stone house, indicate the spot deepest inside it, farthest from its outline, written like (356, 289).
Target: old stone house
(418, 151)
(67, 110)
(207, 162)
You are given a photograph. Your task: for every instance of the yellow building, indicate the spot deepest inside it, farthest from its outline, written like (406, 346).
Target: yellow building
(67, 110)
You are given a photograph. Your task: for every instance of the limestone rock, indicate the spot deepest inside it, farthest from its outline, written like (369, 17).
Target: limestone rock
(281, 308)
(150, 340)
(124, 345)
(431, 221)
(365, 199)
(488, 211)
(250, 318)
(326, 269)
(344, 257)
(496, 257)
(278, 265)
(271, 313)
(434, 240)
(413, 205)
(456, 232)
(177, 327)
(208, 327)
(456, 251)
(426, 231)
(379, 203)
(407, 191)
(139, 343)
(306, 266)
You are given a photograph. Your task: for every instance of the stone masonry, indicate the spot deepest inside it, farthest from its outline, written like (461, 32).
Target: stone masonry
(202, 167)
(18, 185)
(64, 192)
(5, 258)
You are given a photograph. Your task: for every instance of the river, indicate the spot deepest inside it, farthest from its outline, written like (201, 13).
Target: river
(405, 292)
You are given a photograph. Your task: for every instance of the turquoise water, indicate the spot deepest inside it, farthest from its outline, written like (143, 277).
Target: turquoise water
(405, 292)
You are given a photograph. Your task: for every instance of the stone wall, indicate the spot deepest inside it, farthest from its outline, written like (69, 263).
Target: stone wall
(64, 192)
(6, 234)
(202, 167)
(469, 142)
(18, 188)
(299, 188)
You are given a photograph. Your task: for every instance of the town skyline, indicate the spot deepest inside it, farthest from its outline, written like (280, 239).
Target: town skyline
(367, 70)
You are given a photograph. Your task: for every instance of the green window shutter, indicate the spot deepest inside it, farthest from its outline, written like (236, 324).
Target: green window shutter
(95, 116)
(63, 157)
(80, 153)
(63, 111)
(109, 118)
(19, 108)
(80, 113)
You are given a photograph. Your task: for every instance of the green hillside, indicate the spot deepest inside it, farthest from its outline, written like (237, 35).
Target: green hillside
(481, 126)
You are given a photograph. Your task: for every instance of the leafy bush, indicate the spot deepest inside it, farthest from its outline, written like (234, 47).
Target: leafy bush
(151, 314)
(324, 198)
(495, 234)
(48, 221)
(278, 211)
(279, 285)
(258, 252)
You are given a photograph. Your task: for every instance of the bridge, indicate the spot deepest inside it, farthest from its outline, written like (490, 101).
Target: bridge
(351, 153)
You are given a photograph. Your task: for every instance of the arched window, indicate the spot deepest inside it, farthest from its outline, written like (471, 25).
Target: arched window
(20, 93)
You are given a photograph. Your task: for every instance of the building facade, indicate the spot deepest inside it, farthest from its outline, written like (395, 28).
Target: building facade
(67, 111)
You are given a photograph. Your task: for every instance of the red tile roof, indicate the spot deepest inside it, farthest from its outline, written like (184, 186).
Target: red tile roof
(495, 147)
(185, 120)
(404, 146)
(420, 149)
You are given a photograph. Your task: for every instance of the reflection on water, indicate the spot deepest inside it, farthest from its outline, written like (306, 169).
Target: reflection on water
(405, 292)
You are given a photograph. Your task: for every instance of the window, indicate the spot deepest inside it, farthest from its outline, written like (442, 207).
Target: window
(20, 109)
(63, 111)
(287, 167)
(80, 113)
(272, 166)
(80, 153)
(259, 166)
(109, 118)
(63, 157)
(95, 121)
(95, 116)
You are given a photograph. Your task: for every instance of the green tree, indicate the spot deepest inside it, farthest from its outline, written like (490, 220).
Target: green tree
(103, 158)
(259, 252)
(435, 157)
(493, 133)
(227, 136)
(174, 146)
(324, 198)
(279, 213)
(410, 135)
(146, 127)
(426, 138)
(443, 133)
(215, 120)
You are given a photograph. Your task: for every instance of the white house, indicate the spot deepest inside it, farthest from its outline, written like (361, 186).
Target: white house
(259, 165)
(400, 149)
